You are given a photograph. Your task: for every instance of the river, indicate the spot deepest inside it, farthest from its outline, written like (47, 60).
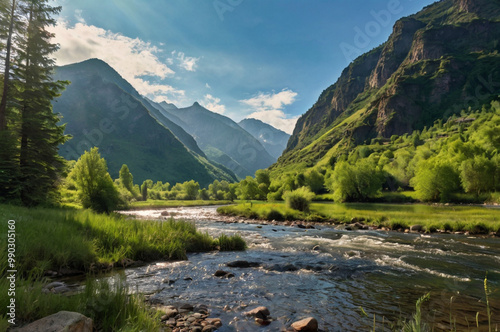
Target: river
(330, 273)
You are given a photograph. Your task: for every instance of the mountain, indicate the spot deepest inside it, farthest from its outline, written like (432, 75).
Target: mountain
(273, 140)
(220, 138)
(101, 109)
(435, 63)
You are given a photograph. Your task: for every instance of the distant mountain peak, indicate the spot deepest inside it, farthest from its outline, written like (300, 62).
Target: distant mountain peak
(196, 104)
(166, 105)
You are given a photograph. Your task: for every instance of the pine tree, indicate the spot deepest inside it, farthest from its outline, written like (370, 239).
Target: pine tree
(8, 23)
(39, 162)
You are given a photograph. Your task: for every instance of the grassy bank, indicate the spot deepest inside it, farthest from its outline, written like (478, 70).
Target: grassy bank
(80, 240)
(51, 239)
(475, 219)
(110, 306)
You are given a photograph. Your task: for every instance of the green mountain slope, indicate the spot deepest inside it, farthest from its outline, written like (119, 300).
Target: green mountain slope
(435, 63)
(274, 140)
(100, 109)
(222, 139)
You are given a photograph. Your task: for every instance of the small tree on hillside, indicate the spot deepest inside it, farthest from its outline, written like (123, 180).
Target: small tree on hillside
(126, 178)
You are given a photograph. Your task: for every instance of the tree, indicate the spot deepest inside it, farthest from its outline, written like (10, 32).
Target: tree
(315, 181)
(144, 190)
(191, 189)
(477, 175)
(93, 182)
(435, 179)
(9, 18)
(39, 162)
(357, 182)
(126, 178)
(249, 189)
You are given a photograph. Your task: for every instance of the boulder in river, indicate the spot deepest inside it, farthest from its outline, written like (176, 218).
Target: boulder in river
(223, 274)
(259, 312)
(243, 264)
(309, 324)
(62, 321)
(416, 228)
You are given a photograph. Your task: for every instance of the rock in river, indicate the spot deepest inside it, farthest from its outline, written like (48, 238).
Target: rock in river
(243, 264)
(309, 324)
(62, 321)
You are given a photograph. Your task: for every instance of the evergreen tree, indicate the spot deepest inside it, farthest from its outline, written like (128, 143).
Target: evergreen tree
(39, 162)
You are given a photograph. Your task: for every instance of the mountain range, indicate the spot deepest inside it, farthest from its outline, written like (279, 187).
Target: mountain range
(219, 137)
(157, 141)
(435, 63)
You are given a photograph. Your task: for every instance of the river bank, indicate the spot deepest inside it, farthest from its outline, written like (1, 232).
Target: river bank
(460, 219)
(55, 243)
(328, 272)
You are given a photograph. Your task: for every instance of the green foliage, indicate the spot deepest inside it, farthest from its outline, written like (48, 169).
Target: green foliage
(249, 189)
(435, 180)
(360, 182)
(478, 175)
(95, 187)
(416, 324)
(299, 199)
(144, 191)
(126, 178)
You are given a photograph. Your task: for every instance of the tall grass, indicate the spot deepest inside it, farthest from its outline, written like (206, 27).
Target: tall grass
(51, 239)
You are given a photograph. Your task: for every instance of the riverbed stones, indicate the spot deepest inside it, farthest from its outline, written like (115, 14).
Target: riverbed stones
(242, 264)
(416, 228)
(223, 274)
(309, 324)
(259, 312)
(62, 321)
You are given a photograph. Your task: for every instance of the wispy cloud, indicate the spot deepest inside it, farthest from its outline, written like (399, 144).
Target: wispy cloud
(268, 107)
(132, 58)
(186, 62)
(213, 104)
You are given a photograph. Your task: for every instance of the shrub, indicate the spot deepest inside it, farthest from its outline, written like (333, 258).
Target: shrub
(299, 199)
(274, 215)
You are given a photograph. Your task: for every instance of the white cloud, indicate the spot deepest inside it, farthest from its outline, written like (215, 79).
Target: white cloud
(131, 58)
(213, 104)
(208, 86)
(268, 107)
(186, 62)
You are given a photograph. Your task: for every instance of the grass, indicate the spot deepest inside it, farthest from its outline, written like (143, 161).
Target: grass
(474, 219)
(55, 239)
(107, 303)
(51, 239)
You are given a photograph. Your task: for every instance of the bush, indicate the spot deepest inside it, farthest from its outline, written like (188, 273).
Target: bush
(274, 215)
(299, 199)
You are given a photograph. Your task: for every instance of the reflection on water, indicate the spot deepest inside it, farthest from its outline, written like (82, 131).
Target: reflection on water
(329, 274)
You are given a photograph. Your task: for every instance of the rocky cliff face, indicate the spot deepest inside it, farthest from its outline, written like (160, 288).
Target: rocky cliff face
(435, 63)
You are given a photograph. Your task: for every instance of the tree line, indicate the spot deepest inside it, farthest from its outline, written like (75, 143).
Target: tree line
(30, 133)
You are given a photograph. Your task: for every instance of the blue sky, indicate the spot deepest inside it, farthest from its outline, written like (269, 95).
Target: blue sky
(267, 59)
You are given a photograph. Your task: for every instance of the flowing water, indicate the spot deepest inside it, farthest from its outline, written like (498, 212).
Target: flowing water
(330, 273)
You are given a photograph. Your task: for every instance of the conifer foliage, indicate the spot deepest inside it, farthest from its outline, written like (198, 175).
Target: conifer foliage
(29, 131)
